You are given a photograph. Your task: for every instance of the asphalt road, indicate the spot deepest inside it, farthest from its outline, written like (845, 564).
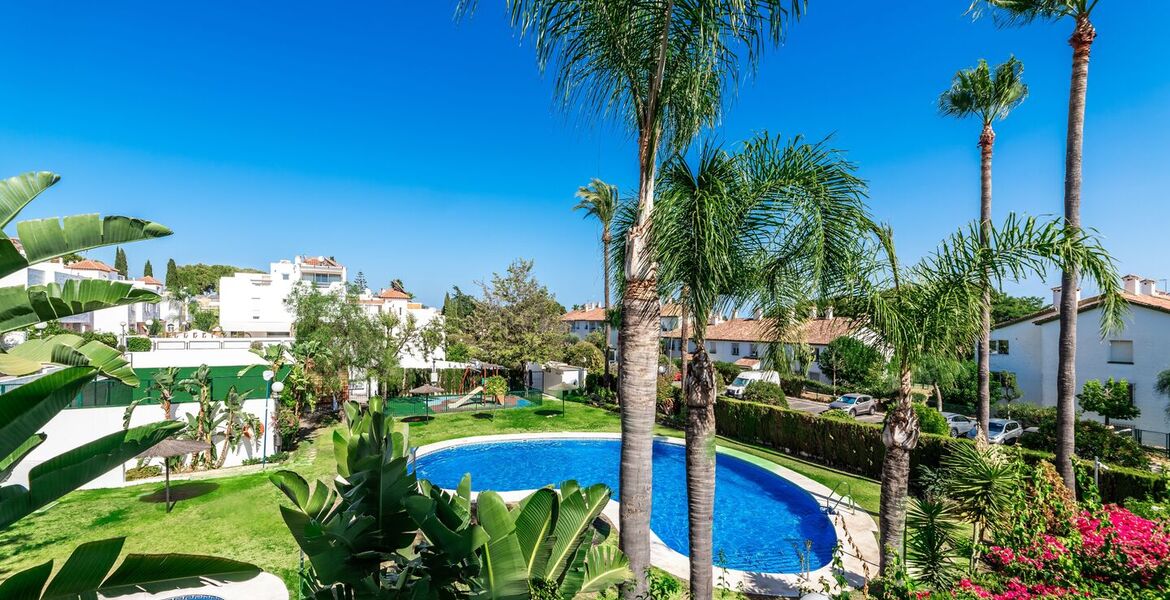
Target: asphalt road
(817, 408)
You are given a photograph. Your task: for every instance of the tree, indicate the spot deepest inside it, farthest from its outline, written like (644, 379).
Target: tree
(584, 354)
(934, 309)
(360, 282)
(203, 319)
(147, 269)
(1005, 307)
(852, 362)
(989, 96)
(517, 320)
(203, 279)
(661, 67)
(348, 338)
(761, 223)
(939, 372)
(1080, 11)
(120, 264)
(71, 257)
(397, 285)
(600, 201)
(172, 277)
(1111, 400)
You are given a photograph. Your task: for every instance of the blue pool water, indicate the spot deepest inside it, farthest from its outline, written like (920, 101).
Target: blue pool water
(762, 521)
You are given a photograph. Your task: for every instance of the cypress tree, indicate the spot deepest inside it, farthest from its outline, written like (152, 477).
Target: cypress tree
(172, 273)
(120, 262)
(147, 269)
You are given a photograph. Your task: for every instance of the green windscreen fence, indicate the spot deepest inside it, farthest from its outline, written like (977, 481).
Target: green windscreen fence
(418, 406)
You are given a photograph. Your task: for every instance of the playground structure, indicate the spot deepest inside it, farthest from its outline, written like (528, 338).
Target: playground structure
(468, 395)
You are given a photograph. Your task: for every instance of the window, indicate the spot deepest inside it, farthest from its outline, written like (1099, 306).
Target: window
(1121, 351)
(284, 276)
(734, 349)
(712, 347)
(753, 351)
(999, 346)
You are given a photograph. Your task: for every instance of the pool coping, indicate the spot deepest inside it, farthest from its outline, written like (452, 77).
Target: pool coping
(856, 531)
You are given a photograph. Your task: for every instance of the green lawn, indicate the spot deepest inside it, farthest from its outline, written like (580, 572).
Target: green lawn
(237, 517)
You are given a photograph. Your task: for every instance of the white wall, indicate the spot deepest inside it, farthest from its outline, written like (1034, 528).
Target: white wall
(76, 426)
(1035, 361)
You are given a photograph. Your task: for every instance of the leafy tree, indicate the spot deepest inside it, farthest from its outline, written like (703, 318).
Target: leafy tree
(663, 68)
(1005, 307)
(989, 96)
(203, 279)
(71, 257)
(600, 201)
(584, 354)
(496, 387)
(397, 285)
(850, 361)
(458, 352)
(1022, 12)
(597, 339)
(931, 420)
(172, 277)
(940, 373)
(147, 269)
(120, 264)
(516, 321)
(348, 339)
(203, 319)
(1111, 400)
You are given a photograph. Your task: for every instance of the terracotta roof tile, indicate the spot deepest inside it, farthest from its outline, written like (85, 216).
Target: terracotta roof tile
(91, 265)
(393, 294)
(592, 314)
(319, 261)
(817, 331)
(150, 280)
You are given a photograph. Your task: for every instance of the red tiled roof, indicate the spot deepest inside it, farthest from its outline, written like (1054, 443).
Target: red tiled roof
(92, 265)
(150, 280)
(816, 331)
(1159, 301)
(748, 363)
(393, 294)
(319, 261)
(592, 314)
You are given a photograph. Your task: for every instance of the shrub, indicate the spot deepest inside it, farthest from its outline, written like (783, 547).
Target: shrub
(765, 392)
(275, 457)
(727, 371)
(836, 413)
(792, 386)
(143, 472)
(930, 420)
(138, 344)
(1093, 440)
(495, 386)
(584, 354)
(1029, 415)
(666, 397)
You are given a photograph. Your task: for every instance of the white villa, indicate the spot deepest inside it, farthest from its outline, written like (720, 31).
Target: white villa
(252, 304)
(400, 303)
(1028, 347)
(121, 320)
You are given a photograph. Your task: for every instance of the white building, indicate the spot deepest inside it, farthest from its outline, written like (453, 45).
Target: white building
(1028, 347)
(131, 319)
(253, 304)
(402, 305)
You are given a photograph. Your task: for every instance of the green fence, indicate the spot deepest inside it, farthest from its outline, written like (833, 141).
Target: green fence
(420, 406)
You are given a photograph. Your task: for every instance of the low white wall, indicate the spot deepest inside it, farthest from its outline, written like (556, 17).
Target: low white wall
(76, 426)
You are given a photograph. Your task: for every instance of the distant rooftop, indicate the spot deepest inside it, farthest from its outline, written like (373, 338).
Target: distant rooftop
(91, 265)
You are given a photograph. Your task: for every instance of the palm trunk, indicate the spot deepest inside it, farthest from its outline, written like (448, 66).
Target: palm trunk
(986, 145)
(637, 378)
(605, 240)
(1066, 374)
(938, 397)
(900, 436)
(684, 329)
(700, 394)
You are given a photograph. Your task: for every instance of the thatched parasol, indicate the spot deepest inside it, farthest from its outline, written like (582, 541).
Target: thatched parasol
(427, 389)
(171, 448)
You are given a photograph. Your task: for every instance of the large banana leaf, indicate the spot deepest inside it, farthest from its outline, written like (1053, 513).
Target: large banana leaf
(579, 507)
(66, 472)
(605, 566)
(28, 408)
(504, 573)
(535, 518)
(22, 307)
(17, 192)
(69, 350)
(8, 463)
(87, 573)
(45, 239)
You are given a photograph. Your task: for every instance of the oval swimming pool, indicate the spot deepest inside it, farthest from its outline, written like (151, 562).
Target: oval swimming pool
(763, 522)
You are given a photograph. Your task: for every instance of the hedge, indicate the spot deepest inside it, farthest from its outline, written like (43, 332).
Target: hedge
(138, 344)
(857, 447)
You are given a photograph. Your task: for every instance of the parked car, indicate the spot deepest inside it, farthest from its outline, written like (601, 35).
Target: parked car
(959, 424)
(1001, 431)
(735, 390)
(855, 404)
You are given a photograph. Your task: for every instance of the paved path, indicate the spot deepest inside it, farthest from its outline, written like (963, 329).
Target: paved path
(816, 408)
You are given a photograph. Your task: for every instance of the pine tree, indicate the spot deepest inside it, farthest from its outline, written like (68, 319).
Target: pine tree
(172, 273)
(360, 281)
(120, 262)
(147, 269)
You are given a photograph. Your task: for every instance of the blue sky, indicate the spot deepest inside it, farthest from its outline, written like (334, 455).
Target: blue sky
(408, 145)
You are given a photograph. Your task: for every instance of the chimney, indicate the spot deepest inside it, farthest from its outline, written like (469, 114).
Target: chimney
(1132, 284)
(1056, 297)
(758, 313)
(1149, 287)
(829, 312)
(812, 312)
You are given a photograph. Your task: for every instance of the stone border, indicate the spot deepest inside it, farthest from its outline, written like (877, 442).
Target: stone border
(857, 527)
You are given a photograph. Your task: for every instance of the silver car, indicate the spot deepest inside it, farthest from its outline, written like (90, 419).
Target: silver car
(1001, 431)
(959, 424)
(855, 404)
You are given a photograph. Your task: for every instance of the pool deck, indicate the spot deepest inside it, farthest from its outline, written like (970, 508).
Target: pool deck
(856, 530)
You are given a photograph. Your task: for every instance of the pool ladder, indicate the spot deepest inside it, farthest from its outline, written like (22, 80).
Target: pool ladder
(832, 505)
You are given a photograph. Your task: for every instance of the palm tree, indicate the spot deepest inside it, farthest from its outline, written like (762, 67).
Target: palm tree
(600, 200)
(238, 424)
(978, 92)
(934, 309)
(1081, 40)
(719, 233)
(661, 67)
(201, 425)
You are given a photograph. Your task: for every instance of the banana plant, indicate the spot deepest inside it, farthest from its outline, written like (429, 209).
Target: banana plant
(238, 424)
(89, 571)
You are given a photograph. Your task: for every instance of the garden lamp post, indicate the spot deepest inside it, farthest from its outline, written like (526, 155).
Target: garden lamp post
(271, 387)
(123, 324)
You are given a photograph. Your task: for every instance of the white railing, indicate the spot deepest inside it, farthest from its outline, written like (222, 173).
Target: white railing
(215, 343)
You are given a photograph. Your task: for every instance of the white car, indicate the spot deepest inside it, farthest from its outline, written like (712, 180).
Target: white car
(746, 378)
(1001, 431)
(959, 424)
(855, 404)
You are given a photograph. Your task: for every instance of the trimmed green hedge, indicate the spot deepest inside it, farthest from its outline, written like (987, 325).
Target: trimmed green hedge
(857, 447)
